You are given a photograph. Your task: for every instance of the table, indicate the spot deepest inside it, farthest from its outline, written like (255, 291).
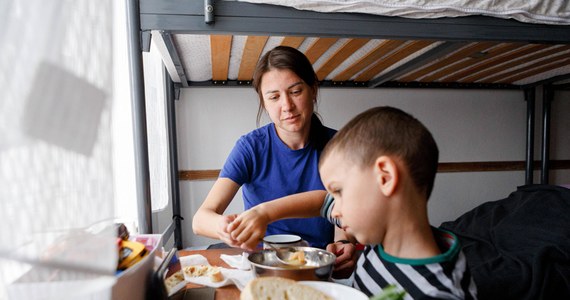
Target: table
(230, 292)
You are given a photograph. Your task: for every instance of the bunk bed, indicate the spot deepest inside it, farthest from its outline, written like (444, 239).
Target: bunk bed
(394, 48)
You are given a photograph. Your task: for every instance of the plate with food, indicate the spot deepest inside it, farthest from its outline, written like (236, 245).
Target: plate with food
(174, 283)
(336, 290)
(196, 269)
(278, 288)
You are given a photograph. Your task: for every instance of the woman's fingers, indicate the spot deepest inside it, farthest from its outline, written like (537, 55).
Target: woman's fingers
(234, 228)
(223, 232)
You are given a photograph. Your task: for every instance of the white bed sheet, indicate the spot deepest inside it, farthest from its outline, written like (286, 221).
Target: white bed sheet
(556, 12)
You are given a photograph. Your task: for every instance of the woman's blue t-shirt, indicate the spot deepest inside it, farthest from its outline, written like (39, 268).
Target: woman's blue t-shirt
(267, 169)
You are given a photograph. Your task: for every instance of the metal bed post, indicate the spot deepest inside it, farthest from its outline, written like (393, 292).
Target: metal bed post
(139, 117)
(173, 153)
(529, 95)
(546, 100)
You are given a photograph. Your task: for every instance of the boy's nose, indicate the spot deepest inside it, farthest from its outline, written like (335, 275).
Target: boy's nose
(335, 213)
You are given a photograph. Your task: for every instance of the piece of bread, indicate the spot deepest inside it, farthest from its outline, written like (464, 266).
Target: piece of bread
(214, 273)
(275, 288)
(173, 280)
(297, 258)
(300, 291)
(196, 270)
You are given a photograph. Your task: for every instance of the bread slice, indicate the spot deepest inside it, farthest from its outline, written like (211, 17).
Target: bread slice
(214, 273)
(300, 292)
(275, 288)
(173, 280)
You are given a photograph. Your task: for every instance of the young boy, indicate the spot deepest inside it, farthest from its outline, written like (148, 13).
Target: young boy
(379, 170)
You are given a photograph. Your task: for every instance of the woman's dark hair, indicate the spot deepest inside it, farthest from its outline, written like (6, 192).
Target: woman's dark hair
(288, 58)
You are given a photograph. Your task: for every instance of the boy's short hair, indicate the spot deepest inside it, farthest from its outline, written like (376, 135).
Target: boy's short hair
(389, 131)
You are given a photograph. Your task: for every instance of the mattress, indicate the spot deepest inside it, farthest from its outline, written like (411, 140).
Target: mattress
(556, 12)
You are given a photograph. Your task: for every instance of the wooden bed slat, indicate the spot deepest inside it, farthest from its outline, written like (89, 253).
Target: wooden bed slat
(381, 50)
(447, 61)
(220, 47)
(538, 68)
(462, 65)
(339, 56)
(292, 41)
(424, 58)
(518, 60)
(319, 47)
(503, 77)
(494, 57)
(251, 53)
(392, 59)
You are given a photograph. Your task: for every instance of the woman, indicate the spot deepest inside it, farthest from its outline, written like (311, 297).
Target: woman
(278, 159)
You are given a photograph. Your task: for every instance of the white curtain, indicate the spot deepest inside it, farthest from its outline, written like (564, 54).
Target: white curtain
(56, 164)
(156, 129)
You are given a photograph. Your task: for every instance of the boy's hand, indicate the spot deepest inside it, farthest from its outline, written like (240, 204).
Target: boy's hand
(345, 259)
(249, 228)
(223, 233)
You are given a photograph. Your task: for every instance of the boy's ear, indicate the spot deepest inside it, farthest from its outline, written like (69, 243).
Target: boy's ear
(387, 174)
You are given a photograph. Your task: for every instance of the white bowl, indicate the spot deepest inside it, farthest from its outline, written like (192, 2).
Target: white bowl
(283, 240)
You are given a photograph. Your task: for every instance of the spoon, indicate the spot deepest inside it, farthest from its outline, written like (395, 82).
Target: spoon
(283, 258)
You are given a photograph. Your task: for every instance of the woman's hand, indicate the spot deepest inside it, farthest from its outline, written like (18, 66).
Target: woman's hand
(248, 229)
(345, 259)
(209, 220)
(223, 233)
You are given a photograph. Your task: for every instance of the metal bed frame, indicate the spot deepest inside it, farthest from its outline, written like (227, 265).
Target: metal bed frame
(223, 17)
